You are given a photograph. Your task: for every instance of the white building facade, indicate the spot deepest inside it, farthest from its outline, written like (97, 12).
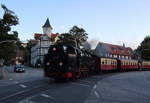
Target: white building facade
(41, 48)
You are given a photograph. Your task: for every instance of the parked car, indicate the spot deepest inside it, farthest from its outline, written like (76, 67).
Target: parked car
(19, 68)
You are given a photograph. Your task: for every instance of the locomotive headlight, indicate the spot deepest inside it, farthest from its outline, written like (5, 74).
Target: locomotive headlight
(60, 63)
(54, 49)
(48, 63)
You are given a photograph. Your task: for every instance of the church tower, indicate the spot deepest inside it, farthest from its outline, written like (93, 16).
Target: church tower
(47, 28)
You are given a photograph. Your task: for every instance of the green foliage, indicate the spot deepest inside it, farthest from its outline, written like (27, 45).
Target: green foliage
(144, 48)
(75, 37)
(79, 35)
(8, 49)
(66, 38)
(9, 19)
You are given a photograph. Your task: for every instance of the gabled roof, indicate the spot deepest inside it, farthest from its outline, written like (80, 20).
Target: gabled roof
(117, 49)
(47, 24)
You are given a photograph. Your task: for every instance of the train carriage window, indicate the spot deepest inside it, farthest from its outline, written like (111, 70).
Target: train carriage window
(102, 61)
(113, 62)
(105, 61)
(121, 63)
(109, 62)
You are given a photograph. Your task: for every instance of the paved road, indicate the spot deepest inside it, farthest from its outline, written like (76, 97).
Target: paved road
(42, 91)
(129, 87)
(12, 77)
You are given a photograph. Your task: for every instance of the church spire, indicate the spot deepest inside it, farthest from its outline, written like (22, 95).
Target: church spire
(47, 28)
(47, 24)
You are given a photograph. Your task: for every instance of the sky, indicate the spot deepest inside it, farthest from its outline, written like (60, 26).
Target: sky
(109, 21)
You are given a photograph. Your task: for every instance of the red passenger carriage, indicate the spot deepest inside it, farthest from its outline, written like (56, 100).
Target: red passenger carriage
(128, 64)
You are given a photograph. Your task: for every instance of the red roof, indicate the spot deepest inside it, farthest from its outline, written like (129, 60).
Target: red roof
(53, 36)
(37, 36)
(117, 49)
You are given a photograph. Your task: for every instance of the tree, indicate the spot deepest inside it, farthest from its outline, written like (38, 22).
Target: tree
(79, 35)
(7, 49)
(65, 38)
(9, 19)
(144, 48)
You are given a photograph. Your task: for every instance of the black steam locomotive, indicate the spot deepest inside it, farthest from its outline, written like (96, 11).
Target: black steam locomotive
(67, 62)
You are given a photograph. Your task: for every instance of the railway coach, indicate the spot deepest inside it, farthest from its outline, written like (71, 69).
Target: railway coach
(128, 64)
(106, 64)
(146, 65)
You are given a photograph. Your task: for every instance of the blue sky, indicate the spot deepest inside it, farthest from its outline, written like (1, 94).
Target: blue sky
(111, 21)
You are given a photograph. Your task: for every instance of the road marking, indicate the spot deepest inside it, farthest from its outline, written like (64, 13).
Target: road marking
(23, 86)
(81, 84)
(95, 86)
(97, 95)
(10, 79)
(46, 96)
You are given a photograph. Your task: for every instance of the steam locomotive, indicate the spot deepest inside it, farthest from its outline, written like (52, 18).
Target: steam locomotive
(68, 62)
